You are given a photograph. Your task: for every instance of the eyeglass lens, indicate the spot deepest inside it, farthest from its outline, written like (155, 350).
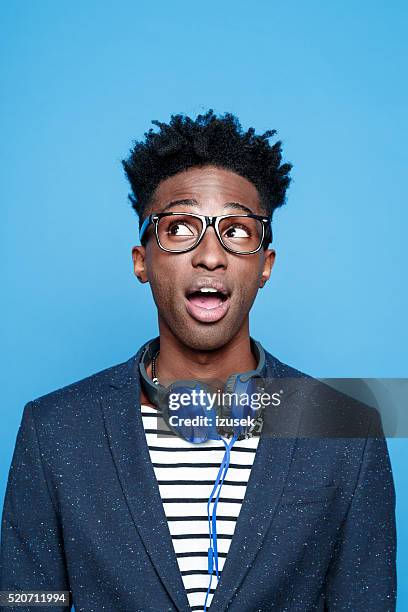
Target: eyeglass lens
(238, 233)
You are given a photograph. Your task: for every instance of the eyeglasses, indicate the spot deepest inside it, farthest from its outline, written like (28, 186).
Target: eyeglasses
(181, 232)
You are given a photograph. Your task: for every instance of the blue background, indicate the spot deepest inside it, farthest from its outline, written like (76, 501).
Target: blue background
(81, 80)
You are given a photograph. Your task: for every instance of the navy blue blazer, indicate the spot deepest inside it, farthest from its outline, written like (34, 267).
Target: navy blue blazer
(316, 531)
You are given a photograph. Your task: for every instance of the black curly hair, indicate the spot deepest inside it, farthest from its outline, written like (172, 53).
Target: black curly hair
(209, 140)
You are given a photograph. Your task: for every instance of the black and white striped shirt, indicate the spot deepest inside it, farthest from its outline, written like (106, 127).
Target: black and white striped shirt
(186, 474)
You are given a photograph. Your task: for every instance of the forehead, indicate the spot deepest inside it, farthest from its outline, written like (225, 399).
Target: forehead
(209, 186)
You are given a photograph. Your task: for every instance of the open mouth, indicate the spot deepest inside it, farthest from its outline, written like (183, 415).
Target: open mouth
(207, 304)
(207, 298)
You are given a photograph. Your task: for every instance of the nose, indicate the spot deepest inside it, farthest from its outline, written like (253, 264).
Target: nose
(210, 254)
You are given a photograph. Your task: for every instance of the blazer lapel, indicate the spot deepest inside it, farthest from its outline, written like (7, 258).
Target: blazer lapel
(264, 489)
(124, 427)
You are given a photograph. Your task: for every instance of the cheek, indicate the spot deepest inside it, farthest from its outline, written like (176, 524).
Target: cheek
(162, 274)
(248, 285)
(250, 275)
(156, 275)
(161, 288)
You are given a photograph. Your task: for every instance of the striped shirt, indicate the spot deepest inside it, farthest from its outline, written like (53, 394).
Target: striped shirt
(186, 474)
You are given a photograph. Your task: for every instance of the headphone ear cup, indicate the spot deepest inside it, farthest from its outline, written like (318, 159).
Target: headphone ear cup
(227, 409)
(242, 409)
(188, 413)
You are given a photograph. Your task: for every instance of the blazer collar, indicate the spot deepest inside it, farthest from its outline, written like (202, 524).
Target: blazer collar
(124, 427)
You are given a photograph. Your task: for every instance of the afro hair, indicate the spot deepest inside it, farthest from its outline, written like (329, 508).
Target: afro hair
(209, 140)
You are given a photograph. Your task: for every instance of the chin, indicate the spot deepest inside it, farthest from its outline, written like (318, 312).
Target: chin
(207, 337)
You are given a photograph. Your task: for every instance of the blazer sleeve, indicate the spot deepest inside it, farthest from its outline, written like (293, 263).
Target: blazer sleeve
(362, 575)
(32, 553)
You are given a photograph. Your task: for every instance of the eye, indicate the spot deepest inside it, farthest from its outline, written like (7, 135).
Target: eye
(237, 230)
(179, 228)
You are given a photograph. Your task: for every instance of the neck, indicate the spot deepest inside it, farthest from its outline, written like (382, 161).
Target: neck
(177, 361)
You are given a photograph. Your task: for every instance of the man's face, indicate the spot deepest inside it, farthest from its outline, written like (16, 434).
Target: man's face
(203, 323)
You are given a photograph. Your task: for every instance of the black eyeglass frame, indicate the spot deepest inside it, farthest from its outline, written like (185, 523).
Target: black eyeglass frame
(206, 222)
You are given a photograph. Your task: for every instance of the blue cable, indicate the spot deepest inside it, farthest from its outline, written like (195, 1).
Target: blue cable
(212, 522)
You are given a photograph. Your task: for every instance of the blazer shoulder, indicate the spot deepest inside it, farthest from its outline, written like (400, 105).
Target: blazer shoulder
(326, 410)
(283, 370)
(80, 393)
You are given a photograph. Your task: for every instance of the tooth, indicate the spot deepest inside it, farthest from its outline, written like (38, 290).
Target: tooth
(208, 289)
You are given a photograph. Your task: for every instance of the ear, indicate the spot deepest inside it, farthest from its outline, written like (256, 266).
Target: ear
(269, 260)
(139, 263)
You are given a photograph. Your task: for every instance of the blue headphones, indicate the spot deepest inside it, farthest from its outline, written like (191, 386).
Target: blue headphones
(196, 412)
(198, 418)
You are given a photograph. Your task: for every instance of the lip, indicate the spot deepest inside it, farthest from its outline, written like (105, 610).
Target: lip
(208, 315)
(208, 282)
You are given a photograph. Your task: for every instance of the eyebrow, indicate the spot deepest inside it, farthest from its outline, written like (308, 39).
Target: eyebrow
(193, 203)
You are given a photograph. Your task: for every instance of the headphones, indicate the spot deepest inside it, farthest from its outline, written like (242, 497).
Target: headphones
(195, 411)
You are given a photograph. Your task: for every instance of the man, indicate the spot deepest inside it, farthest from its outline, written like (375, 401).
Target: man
(99, 504)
